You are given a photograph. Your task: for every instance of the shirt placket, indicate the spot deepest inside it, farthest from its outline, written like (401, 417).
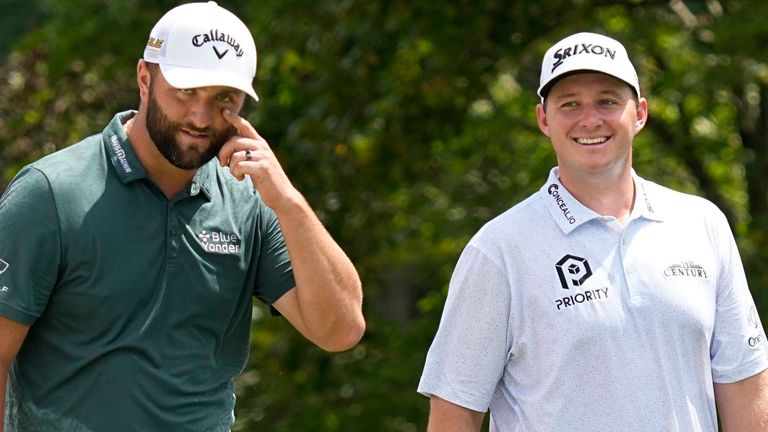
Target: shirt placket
(630, 266)
(173, 234)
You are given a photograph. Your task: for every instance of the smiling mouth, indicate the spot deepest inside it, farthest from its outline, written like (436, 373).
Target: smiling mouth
(591, 141)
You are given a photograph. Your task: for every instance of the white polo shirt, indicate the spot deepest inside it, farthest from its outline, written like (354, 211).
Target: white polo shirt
(559, 319)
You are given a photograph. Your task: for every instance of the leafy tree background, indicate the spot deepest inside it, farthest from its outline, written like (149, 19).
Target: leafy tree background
(407, 125)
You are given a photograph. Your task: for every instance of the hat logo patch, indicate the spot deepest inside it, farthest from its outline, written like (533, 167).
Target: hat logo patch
(216, 36)
(563, 53)
(156, 43)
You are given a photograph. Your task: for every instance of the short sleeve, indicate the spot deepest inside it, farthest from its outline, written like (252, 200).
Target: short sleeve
(738, 348)
(30, 246)
(469, 353)
(274, 273)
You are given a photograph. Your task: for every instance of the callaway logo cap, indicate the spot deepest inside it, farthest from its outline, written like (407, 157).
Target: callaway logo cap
(203, 44)
(585, 52)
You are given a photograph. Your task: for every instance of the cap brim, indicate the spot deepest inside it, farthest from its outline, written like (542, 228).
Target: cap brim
(184, 77)
(544, 91)
(584, 65)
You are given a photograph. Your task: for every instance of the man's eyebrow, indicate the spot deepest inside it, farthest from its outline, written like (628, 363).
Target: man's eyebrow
(612, 92)
(606, 92)
(566, 95)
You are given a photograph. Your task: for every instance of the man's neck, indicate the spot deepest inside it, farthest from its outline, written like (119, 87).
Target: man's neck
(170, 179)
(606, 197)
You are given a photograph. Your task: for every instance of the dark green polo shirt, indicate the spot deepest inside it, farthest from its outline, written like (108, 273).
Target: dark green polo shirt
(140, 307)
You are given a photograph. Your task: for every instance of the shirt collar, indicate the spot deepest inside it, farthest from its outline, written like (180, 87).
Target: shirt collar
(566, 210)
(203, 180)
(569, 213)
(646, 204)
(119, 149)
(128, 167)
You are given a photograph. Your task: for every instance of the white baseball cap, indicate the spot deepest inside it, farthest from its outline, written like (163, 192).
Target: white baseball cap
(203, 44)
(586, 52)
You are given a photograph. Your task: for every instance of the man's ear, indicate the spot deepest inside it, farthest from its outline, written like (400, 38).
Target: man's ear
(143, 79)
(541, 118)
(641, 115)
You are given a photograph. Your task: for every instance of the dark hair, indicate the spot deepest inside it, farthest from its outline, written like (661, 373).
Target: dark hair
(152, 67)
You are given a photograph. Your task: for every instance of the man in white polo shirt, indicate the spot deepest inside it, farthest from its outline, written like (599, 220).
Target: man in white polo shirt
(603, 302)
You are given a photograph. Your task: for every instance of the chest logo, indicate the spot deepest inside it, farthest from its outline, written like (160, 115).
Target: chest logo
(219, 242)
(573, 271)
(686, 269)
(3, 266)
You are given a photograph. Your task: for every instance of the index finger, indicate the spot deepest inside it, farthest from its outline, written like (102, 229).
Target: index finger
(244, 129)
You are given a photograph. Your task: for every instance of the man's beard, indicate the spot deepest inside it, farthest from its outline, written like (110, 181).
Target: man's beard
(163, 131)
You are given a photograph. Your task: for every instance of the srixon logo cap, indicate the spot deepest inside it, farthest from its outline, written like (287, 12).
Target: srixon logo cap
(586, 52)
(203, 44)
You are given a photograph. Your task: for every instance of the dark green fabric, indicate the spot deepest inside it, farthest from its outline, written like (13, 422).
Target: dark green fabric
(140, 307)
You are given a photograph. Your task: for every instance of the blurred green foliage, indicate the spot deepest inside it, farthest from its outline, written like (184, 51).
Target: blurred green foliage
(408, 124)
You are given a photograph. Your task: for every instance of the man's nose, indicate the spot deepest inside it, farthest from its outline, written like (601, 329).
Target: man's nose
(201, 113)
(591, 117)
